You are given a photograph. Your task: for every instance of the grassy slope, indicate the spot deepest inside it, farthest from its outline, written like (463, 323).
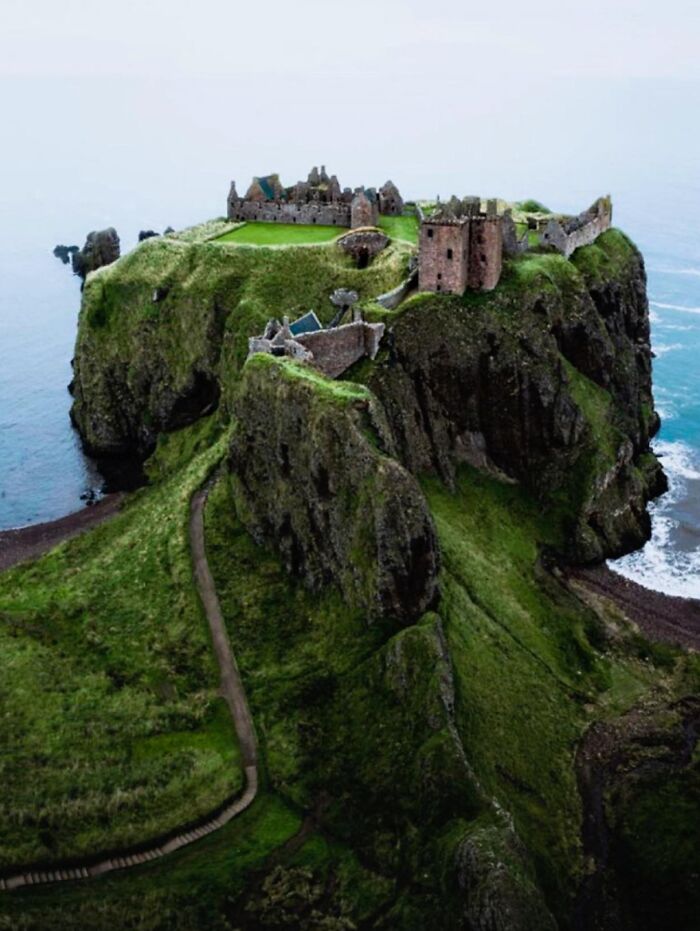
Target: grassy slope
(218, 294)
(529, 668)
(128, 737)
(280, 234)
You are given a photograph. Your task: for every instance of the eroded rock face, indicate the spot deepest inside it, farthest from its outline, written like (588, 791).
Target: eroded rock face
(315, 478)
(498, 384)
(101, 248)
(639, 779)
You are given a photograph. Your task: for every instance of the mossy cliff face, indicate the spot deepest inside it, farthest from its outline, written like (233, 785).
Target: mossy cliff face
(163, 332)
(315, 477)
(547, 381)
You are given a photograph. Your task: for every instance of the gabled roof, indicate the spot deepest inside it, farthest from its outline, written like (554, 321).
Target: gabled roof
(309, 323)
(268, 184)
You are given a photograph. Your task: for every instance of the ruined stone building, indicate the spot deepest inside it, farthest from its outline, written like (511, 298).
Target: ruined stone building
(568, 233)
(390, 201)
(319, 199)
(462, 246)
(332, 350)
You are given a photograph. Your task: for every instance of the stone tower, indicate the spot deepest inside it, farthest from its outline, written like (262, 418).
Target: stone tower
(444, 255)
(485, 252)
(461, 247)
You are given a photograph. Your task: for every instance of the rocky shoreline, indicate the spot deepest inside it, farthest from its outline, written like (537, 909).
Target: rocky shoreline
(665, 618)
(31, 542)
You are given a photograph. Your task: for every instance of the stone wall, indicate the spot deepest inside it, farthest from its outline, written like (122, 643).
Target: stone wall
(364, 211)
(280, 212)
(512, 243)
(568, 235)
(444, 257)
(363, 244)
(393, 298)
(335, 350)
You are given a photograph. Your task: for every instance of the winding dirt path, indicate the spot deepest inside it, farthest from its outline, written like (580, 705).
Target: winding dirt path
(233, 692)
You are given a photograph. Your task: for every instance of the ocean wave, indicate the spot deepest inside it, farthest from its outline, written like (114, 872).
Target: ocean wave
(662, 350)
(661, 565)
(681, 308)
(676, 327)
(695, 272)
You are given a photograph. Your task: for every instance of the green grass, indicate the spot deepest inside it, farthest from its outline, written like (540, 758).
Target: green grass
(529, 674)
(281, 234)
(112, 731)
(338, 391)
(187, 891)
(216, 296)
(403, 227)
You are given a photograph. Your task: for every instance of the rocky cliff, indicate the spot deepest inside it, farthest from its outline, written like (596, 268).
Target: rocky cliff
(163, 333)
(314, 475)
(546, 382)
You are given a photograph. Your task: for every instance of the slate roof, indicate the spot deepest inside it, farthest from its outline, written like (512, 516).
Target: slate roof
(266, 186)
(309, 323)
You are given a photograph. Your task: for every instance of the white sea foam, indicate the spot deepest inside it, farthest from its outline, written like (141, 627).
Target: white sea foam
(660, 564)
(695, 272)
(661, 349)
(676, 327)
(681, 308)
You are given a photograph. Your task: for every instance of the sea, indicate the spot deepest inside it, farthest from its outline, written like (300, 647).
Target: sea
(127, 172)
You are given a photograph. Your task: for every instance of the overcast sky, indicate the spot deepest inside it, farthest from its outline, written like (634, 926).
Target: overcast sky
(633, 38)
(148, 108)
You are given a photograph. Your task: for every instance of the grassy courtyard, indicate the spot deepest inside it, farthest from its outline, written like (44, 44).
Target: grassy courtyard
(404, 227)
(281, 234)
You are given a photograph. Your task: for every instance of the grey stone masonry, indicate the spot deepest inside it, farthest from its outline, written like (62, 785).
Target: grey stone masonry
(332, 350)
(569, 233)
(318, 200)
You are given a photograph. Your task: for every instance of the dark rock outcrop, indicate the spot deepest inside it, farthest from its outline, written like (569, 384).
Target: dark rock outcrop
(314, 477)
(147, 234)
(497, 382)
(639, 778)
(101, 248)
(64, 253)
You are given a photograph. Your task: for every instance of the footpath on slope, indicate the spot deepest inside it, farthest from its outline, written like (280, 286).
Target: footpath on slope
(234, 694)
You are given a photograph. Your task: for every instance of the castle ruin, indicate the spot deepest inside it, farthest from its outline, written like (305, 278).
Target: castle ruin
(318, 200)
(462, 246)
(332, 350)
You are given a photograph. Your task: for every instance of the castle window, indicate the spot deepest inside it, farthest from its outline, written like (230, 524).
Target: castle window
(439, 287)
(439, 276)
(449, 253)
(430, 233)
